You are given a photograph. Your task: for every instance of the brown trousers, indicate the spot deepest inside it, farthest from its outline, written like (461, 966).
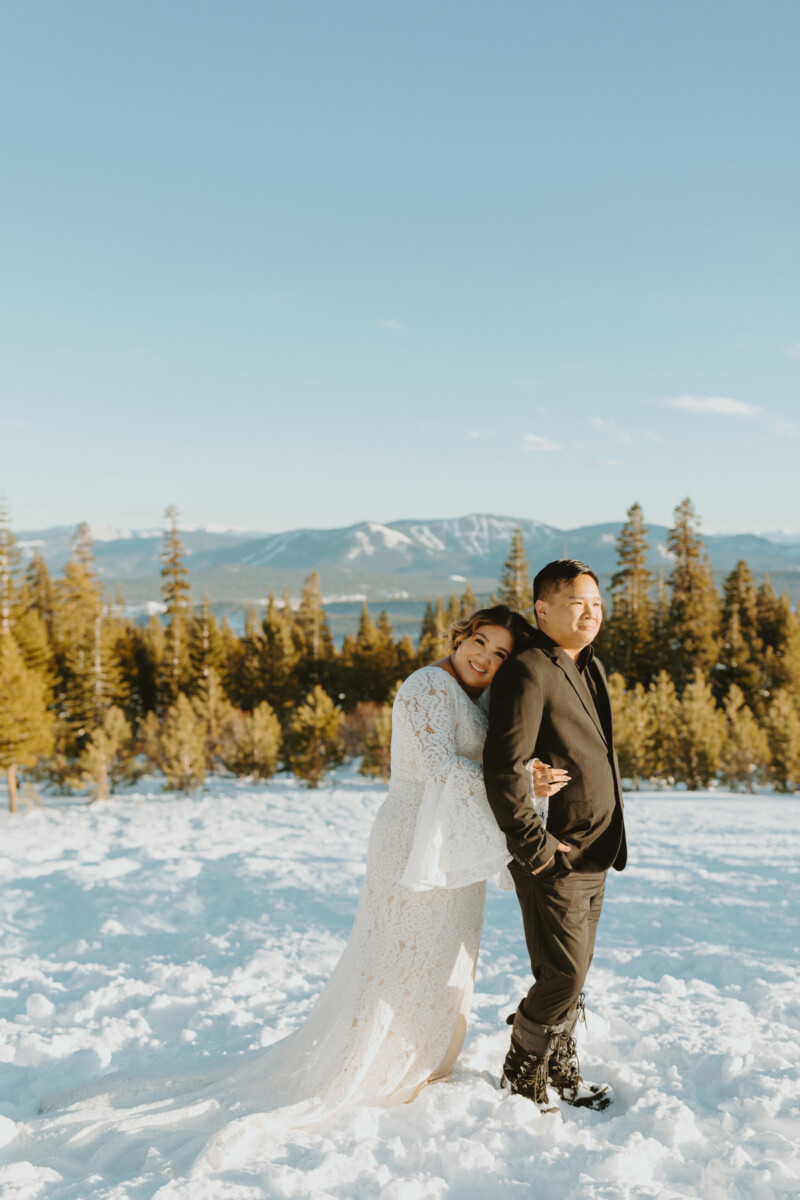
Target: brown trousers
(560, 911)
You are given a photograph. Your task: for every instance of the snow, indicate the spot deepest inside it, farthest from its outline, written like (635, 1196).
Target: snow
(392, 538)
(152, 941)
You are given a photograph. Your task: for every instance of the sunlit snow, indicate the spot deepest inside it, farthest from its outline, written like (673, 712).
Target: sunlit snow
(157, 937)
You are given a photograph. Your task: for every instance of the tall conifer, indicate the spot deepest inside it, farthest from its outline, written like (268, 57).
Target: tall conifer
(516, 588)
(740, 648)
(175, 595)
(628, 643)
(694, 607)
(316, 649)
(25, 724)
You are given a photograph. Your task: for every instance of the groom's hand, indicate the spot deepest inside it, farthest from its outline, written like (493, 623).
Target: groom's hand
(563, 847)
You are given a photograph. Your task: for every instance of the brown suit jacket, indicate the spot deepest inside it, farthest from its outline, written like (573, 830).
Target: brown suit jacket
(541, 705)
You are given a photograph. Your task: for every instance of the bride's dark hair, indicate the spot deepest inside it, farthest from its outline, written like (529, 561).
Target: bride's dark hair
(499, 614)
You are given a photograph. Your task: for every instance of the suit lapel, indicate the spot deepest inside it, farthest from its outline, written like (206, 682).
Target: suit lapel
(581, 687)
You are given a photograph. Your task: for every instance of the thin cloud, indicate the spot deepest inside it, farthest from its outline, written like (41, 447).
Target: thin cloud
(608, 426)
(532, 441)
(720, 406)
(605, 463)
(390, 323)
(792, 351)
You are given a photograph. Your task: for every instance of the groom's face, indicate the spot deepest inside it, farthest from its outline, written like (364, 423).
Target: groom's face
(572, 616)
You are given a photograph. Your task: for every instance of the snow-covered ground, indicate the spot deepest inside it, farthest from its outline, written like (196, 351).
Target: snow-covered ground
(153, 935)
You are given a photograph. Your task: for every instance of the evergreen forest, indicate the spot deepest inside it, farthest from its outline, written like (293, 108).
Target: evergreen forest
(705, 682)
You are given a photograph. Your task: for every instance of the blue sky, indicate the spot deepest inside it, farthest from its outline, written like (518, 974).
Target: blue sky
(313, 262)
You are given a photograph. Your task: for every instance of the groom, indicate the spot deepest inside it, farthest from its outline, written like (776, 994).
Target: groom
(551, 702)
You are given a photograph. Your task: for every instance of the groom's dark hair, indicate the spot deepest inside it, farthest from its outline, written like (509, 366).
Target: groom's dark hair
(556, 574)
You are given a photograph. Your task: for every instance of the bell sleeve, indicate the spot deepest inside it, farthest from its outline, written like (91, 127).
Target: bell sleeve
(457, 840)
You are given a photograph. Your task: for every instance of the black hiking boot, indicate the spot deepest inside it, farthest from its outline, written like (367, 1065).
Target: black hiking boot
(565, 1069)
(525, 1069)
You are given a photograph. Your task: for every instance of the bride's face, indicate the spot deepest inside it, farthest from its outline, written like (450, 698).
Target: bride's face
(477, 658)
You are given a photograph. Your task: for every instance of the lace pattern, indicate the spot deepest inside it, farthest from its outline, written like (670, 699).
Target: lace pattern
(393, 1015)
(438, 736)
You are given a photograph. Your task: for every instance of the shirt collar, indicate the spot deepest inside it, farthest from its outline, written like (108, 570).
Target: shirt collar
(581, 662)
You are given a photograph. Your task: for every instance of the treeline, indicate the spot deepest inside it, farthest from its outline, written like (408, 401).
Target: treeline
(705, 685)
(90, 698)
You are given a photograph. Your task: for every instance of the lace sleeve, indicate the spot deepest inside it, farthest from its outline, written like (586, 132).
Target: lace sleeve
(456, 839)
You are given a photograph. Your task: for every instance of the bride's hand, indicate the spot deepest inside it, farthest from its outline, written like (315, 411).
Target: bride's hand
(547, 780)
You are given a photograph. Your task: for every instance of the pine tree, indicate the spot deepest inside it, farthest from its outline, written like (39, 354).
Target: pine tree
(40, 592)
(204, 646)
(10, 558)
(783, 733)
(694, 609)
(701, 734)
(107, 759)
(25, 724)
(315, 743)
(454, 610)
(781, 661)
(664, 718)
(367, 667)
(433, 634)
(30, 632)
(316, 651)
(215, 714)
(175, 595)
(150, 740)
(516, 587)
(632, 727)
(766, 613)
(232, 658)
(628, 643)
(89, 679)
(741, 650)
(660, 649)
(746, 753)
(406, 658)
(182, 754)
(257, 748)
(277, 659)
(92, 680)
(469, 602)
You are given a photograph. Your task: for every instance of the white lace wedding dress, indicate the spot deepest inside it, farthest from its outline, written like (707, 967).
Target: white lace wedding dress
(393, 1014)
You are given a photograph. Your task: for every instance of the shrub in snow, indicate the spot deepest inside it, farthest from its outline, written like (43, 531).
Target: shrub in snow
(746, 745)
(182, 755)
(315, 742)
(701, 734)
(257, 743)
(783, 733)
(378, 742)
(108, 757)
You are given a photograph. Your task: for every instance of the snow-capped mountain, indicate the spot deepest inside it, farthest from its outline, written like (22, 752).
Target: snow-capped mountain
(410, 558)
(472, 542)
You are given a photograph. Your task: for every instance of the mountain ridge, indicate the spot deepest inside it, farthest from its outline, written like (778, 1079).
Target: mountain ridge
(473, 546)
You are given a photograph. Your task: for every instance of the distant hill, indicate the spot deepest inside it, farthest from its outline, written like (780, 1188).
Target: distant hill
(396, 566)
